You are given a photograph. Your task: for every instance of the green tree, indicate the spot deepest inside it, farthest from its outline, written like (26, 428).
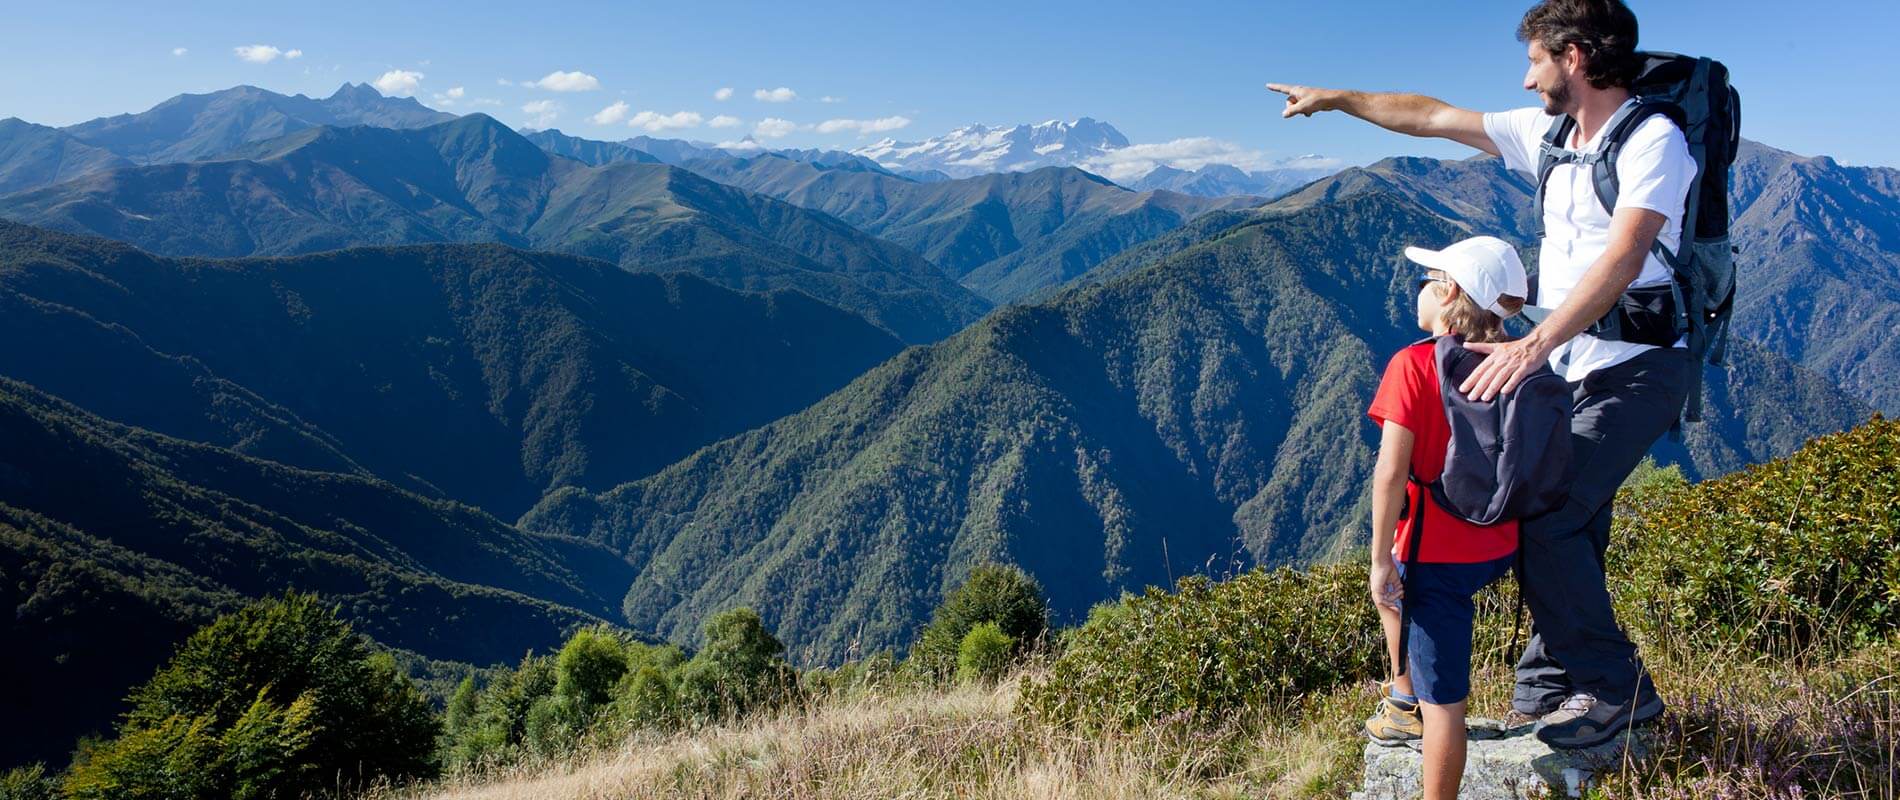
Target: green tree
(588, 667)
(984, 655)
(740, 669)
(276, 699)
(1002, 594)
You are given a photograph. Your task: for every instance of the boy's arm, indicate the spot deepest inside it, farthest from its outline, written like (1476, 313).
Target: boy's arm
(1410, 114)
(1388, 493)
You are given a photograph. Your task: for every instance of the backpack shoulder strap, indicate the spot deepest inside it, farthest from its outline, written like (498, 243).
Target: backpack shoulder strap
(1616, 135)
(1550, 153)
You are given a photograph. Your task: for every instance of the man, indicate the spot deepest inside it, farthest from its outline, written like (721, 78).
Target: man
(1579, 678)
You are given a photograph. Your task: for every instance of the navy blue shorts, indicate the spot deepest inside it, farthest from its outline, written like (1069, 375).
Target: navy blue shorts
(1438, 648)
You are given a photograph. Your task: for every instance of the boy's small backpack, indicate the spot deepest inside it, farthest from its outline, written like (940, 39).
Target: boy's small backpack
(1509, 457)
(1696, 95)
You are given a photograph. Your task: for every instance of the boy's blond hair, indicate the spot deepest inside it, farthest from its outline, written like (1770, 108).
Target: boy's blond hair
(1464, 316)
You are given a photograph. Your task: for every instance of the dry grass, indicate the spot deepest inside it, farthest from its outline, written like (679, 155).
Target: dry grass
(963, 742)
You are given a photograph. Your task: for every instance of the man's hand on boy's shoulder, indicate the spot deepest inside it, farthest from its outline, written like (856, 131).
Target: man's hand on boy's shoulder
(1384, 583)
(1507, 365)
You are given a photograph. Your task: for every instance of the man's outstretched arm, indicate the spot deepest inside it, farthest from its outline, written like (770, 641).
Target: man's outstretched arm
(1410, 114)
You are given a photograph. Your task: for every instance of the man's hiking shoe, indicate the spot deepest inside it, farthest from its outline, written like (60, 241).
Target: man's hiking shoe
(1573, 707)
(1601, 722)
(1515, 719)
(1395, 723)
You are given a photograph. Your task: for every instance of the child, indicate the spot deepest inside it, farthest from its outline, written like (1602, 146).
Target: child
(1469, 288)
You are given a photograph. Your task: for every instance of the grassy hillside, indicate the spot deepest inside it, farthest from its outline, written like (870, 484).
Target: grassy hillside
(115, 543)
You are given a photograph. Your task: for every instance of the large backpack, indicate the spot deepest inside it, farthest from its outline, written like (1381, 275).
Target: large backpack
(1508, 458)
(1696, 95)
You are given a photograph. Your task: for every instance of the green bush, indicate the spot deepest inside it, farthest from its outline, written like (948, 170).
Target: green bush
(999, 594)
(498, 729)
(27, 783)
(647, 699)
(588, 668)
(1209, 650)
(740, 670)
(276, 699)
(984, 655)
(1797, 555)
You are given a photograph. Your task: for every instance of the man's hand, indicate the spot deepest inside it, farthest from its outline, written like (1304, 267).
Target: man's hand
(1506, 366)
(1384, 582)
(1304, 100)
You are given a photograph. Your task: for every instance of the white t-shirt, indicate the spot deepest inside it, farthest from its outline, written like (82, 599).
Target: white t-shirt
(1654, 171)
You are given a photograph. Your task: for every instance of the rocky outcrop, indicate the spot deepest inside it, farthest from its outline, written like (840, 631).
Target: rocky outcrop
(1501, 765)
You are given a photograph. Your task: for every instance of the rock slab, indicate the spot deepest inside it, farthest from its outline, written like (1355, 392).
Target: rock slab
(1501, 764)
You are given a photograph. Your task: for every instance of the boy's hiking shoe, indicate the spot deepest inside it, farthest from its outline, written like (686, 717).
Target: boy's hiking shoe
(1600, 722)
(1396, 722)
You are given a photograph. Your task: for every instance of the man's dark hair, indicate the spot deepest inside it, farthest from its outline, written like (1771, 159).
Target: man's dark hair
(1605, 30)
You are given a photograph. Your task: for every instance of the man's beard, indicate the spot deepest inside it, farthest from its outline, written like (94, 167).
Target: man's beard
(1557, 99)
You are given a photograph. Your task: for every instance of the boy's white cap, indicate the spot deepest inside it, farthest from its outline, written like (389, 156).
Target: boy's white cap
(1484, 267)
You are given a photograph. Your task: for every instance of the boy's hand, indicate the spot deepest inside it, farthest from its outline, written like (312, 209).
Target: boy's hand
(1303, 100)
(1387, 591)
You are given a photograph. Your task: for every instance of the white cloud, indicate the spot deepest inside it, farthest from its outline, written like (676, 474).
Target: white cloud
(748, 143)
(179, 51)
(779, 95)
(611, 114)
(773, 128)
(455, 93)
(863, 126)
(262, 53)
(655, 122)
(576, 81)
(830, 99)
(398, 82)
(1193, 153)
(504, 82)
(449, 97)
(541, 113)
(724, 121)
(484, 101)
(723, 94)
(290, 54)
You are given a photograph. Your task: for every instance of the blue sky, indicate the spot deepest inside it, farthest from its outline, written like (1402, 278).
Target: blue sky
(1157, 71)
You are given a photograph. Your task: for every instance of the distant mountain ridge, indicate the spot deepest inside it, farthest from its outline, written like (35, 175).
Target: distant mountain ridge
(1003, 235)
(1223, 180)
(32, 156)
(194, 127)
(473, 179)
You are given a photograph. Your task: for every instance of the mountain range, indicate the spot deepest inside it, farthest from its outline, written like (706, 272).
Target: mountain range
(472, 179)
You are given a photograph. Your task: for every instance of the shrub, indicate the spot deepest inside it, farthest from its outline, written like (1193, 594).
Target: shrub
(999, 594)
(588, 667)
(740, 669)
(1209, 650)
(984, 655)
(1798, 554)
(276, 699)
(27, 783)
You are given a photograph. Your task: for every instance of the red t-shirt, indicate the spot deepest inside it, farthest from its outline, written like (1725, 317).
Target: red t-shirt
(1408, 395)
